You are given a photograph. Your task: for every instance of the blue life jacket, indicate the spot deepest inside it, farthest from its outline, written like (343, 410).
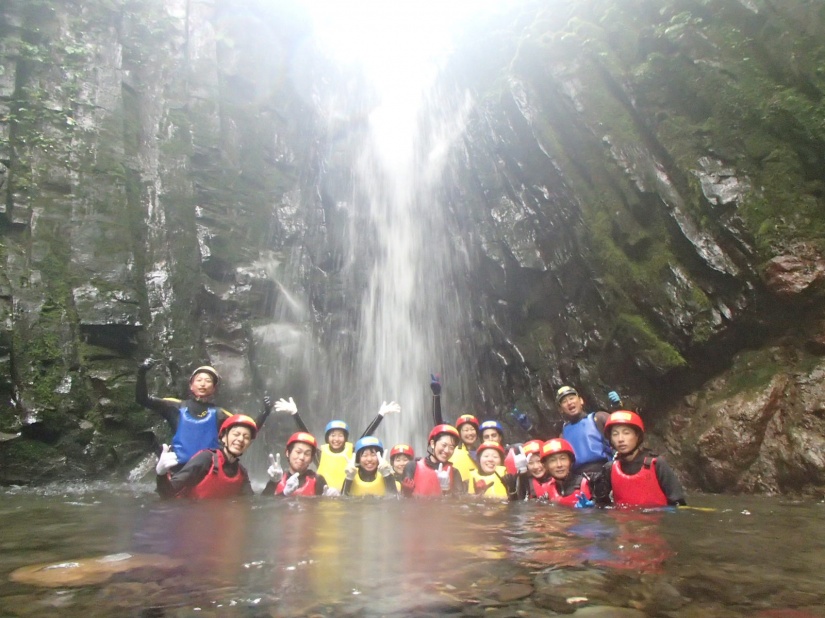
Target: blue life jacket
(587, 441)
(195, 434)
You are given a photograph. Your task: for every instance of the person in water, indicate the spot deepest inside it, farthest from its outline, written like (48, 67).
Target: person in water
(585, 432)
(564, 486)
(400, 456)
(515, 461)
(491, 480)
(531, 483)
(434, 475)
(216, 472)
(299, 480)
(637, 476)
(463, 457)
(368, 473)
(195, 422)
(332, 458)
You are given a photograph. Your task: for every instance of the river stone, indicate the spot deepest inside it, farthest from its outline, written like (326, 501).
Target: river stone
(513, 591)
(89, 571)
(605, 611)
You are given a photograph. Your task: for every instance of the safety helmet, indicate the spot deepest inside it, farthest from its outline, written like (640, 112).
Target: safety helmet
(367, 442)
(556, 446)
(216, 378)
(624, 417)
(239, 419)
(302, 436)
(532, 447)
(563, 392)
(336, 425)
(402, 449)
(490, 445)
(492, 425)
(464, 419)
(438, 430)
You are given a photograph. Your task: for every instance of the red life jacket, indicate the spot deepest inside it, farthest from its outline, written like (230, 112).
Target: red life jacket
(554, 496)
(640, 489)
(307, 489)
(510, 462)
(216, 483)
(426, 479)
(540, 489)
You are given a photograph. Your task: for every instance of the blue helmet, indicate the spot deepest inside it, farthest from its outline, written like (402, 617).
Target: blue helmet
(491, 425)
(336, 425)
(367, 442)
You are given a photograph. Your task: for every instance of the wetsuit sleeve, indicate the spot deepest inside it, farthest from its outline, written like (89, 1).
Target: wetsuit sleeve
(191, 474)
(300, 423)
(270, 488)
(600, 418)
(457, 486)
(320, 485)
(511, 483)
(167, 408)
(409, 473)
(522, 489)
(669, 483)
(389, 485)
(600, 485)
(347, 487)
(246, 488)
(370, 430)
(438, 418)
(259, 422)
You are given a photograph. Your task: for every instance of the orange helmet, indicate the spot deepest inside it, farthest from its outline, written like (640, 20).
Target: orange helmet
(624, 417)
(556, 446)
(239, 419)
(439, 430)
(464, 419)
(302, 436)
(490, 445)
(532, 447)
(402, 449)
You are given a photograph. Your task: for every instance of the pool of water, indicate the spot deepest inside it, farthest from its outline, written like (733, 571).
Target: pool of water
(724, 556)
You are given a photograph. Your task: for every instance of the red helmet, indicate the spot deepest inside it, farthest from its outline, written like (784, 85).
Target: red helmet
(490, 445)
(216, 378)
(239, 419)
(438, 430)
(402, 449)
(532, 447)
(464, 419)
(302, 436)
(624, 417)
(556, 446)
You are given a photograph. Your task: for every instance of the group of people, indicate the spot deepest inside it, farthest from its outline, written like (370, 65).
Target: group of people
(598, 460)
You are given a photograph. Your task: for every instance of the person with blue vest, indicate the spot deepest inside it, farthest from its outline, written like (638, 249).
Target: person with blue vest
(368, 473)
(333, 456)
(585, 432)
(195, 422)
(216, 472)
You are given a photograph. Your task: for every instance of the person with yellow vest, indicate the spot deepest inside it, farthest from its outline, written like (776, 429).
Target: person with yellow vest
(491, 480)
(368, 473)
(333, 456)
(464, 455)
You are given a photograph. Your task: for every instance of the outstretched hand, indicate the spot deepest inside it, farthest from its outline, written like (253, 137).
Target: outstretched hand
(435, 383)
(384, 467)
(520, 460)
(166, 461)
(274, 470)
(282, 405)
(389, 408)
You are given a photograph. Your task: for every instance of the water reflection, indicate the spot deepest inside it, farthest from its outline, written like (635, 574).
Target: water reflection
(379, 557)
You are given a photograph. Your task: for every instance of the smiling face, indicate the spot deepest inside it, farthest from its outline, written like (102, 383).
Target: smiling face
(488, 460)
(369, 459)
(202, 385)
(571, 406)
(535, 467)
(558, 465)
(399, 462)
(299, 457)
(468, 434)
(443, 448)
(336, 439)
(624, 439)
(236, 440)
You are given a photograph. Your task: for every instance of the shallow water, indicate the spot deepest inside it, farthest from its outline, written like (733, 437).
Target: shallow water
(743, 556)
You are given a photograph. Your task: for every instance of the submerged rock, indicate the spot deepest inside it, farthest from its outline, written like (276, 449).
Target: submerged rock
(89, 571)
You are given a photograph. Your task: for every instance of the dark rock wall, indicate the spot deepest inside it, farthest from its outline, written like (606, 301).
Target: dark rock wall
(638, 196)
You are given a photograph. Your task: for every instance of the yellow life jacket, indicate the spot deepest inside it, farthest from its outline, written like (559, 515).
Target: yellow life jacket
(497, 491)
(333, 465)
(361, 487)
(462, 462)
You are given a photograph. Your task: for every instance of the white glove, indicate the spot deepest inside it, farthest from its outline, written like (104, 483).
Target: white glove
(275, 471)
(443, 477)
(384, 467)
(350, 470)
(520, 460)
(389, 408)
(166, 461)
(331, 492)
(282, 405)
(291, 484)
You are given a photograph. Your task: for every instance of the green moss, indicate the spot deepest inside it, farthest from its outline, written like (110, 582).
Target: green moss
(752, 370)
(640, 340)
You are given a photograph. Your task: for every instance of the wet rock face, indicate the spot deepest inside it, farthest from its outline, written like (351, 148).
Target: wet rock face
(636, 198)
